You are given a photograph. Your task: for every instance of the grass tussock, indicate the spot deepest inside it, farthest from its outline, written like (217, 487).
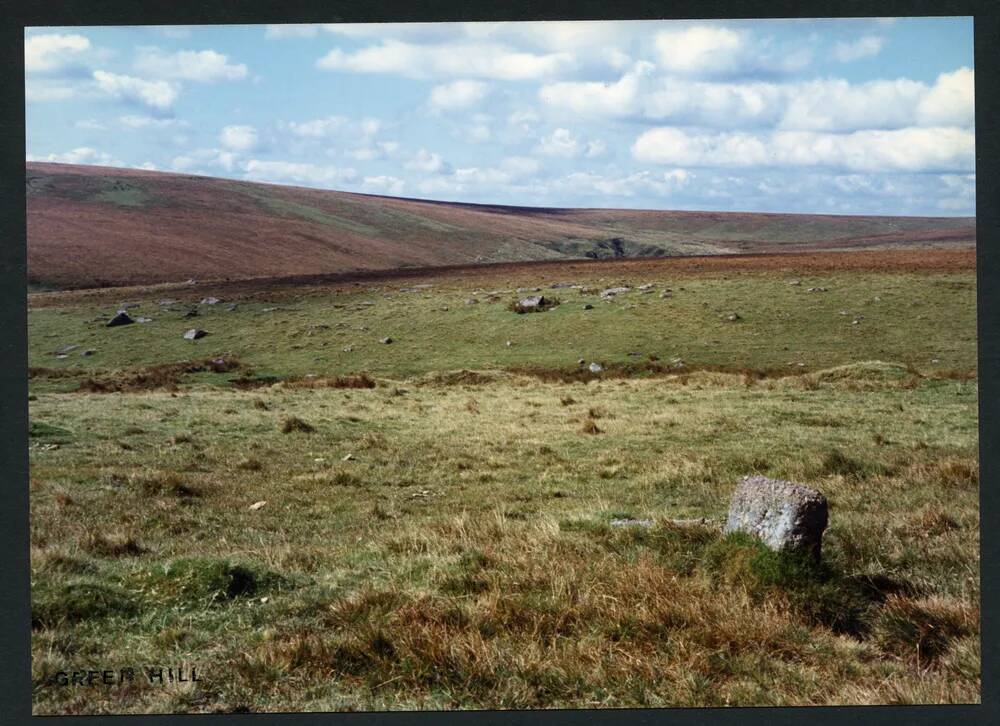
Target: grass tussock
(924, 628)
(113, 545)
(200, 581)
(293, 424)
(159, 483)
(76, 600)
(361, 380)
(166, 376)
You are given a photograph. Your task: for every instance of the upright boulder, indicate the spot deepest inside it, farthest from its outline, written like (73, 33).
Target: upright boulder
(782, 514)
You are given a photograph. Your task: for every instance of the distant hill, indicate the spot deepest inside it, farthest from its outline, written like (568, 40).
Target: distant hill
(96, 226)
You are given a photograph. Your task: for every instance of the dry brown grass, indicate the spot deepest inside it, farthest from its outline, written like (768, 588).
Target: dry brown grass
(290, 424)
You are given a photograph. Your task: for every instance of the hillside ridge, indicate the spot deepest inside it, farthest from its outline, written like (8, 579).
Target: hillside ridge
(92, 226)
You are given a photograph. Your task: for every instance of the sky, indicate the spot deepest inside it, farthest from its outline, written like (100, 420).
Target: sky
(837, 116)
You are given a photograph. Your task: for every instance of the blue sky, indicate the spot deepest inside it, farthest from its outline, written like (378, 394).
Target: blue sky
(855, 116)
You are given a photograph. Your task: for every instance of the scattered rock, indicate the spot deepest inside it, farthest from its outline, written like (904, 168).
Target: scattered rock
(510, 343)
(128, 305)
(795, 282)
(666, 293)
(588, 306)
(385, 341)
(782, 514)
(559, 285)
(733, 317)
(167, 301)
(816, 289)
(581, 362)
(348, 457)
(89, 352)
(194, 334)
(258, 505)
(472, 301)
(348, 348)
(595, 368)
(231, 307)
(612, 291)
(65, 349)
(210, 301)
(143, 320)
(647, 286)
(192, 313)
(122, 318)
(532, 303)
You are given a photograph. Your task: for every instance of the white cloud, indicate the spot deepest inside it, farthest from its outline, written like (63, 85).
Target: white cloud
(478, 132)
(595, 148)
(157, 94)
(560, 142)
(951, 101)
(457, 95)
(864, 47)
(335, 127)
(520, 166)
(594, 98)
(700, 49)
(712, 50)
(148, 122)
(827, 104)
(52, 52)
(832, 105)
(196, 161)
(426, 162)
(469, 60)
(641, 183)
(297, 173)
(203, 66)
(80, 155)
(238, 138)
(909, 149)
(383, 185)
(523, 117)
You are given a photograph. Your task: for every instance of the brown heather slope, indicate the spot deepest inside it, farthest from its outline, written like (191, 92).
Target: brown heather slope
(97, 226)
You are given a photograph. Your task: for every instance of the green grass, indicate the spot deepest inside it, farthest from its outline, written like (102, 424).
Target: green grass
(918, 319)
(444, 539)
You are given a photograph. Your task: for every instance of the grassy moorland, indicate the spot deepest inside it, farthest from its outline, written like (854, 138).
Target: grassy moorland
(131, 226)
(440, 520)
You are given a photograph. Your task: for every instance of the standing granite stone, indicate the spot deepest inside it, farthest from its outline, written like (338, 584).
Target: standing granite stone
(784, 515)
